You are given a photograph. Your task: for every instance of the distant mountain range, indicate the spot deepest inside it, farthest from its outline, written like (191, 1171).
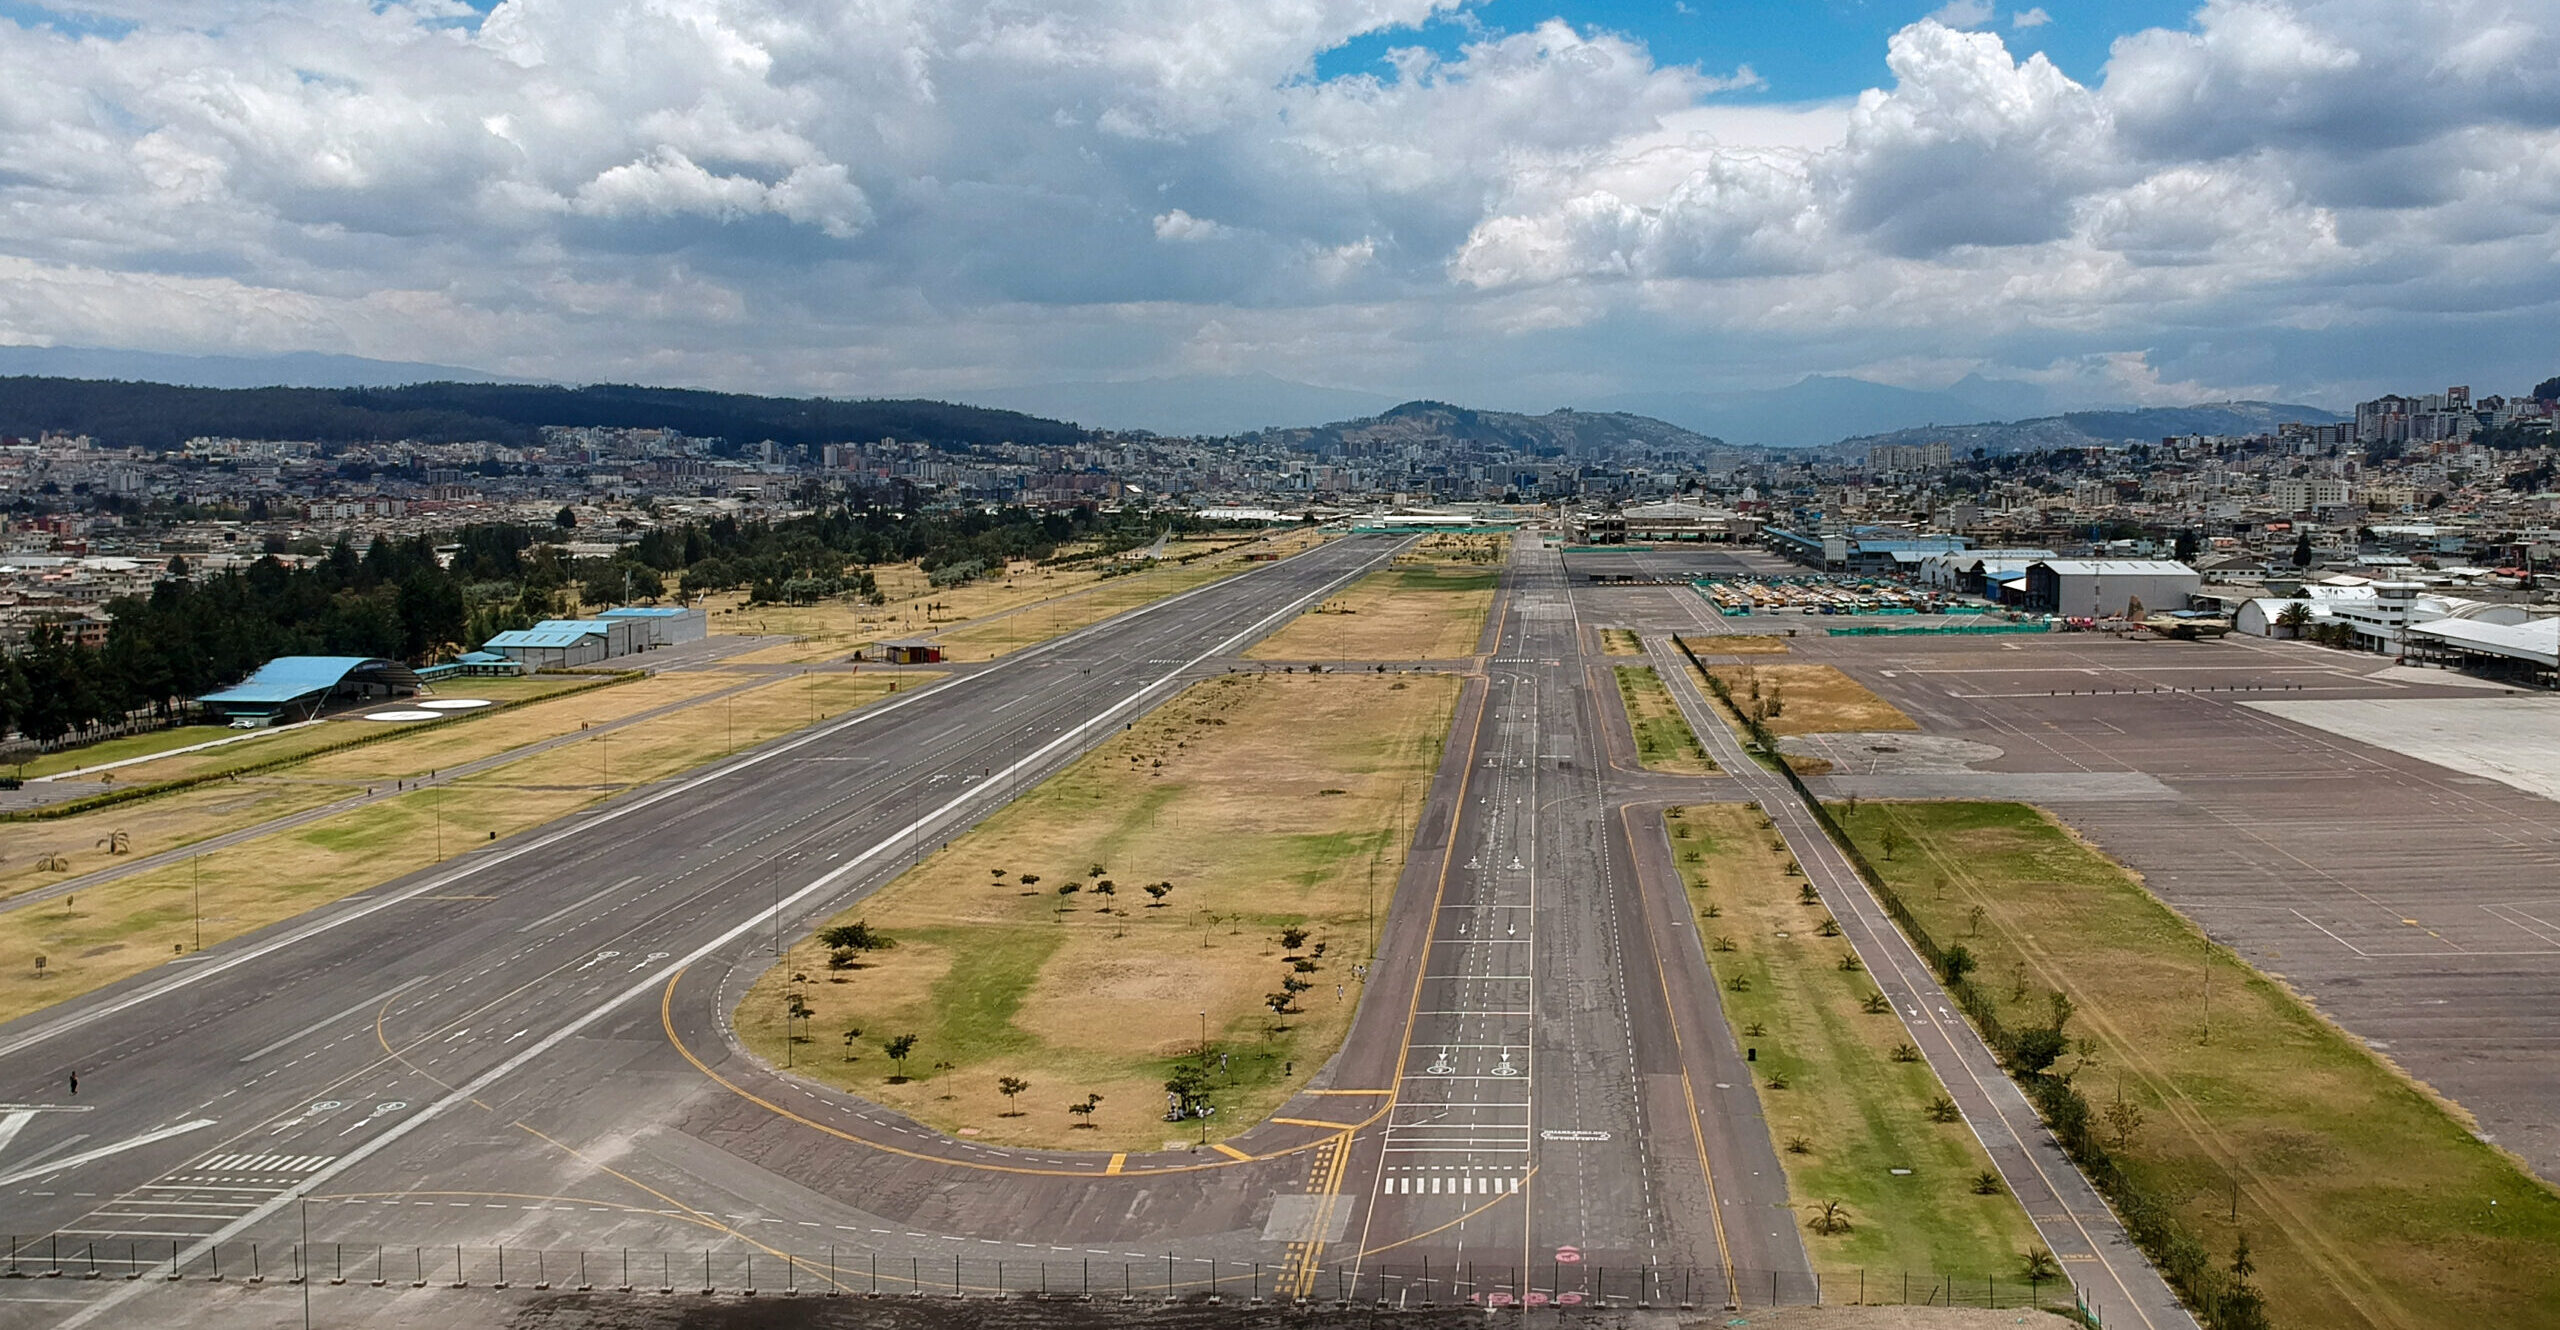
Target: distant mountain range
(1825, 408)
(297, 369)
(1560, 434)
(164, 416)
(2081, 429)
(318, 395)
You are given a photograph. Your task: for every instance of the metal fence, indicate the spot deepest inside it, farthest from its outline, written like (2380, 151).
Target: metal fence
(714, 1272)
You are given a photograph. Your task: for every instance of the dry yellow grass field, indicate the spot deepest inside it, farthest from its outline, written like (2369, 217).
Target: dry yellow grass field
(147, 827)
(1028, 604)
(1421, 611)
(133, 924)
(1812, 699)
(151, 826)
(1266, 801)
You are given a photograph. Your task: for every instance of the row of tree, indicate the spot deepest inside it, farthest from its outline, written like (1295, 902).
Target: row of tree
(427, 596)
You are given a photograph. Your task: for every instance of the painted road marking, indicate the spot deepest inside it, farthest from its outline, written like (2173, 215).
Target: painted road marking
(1465, 1185)
(326, 1021)
(264, 1163)
(102, 1152)
(1573, 1135)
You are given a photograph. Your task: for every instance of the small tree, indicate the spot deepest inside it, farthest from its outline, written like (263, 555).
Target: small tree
(1156, 892)
(1292, 938)
(898, 1048)
(857, 936)
(1189, 1087)
(1831, 1218)
(1889, 840)
(1955, 964)
(1281, 1004)
(852, 1035)
(1009, 1086)
(1084, 1110)
(2038, 1266)
(2122, 1118)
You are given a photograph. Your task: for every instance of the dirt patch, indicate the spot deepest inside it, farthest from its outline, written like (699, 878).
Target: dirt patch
(1810, 699)
(1761, 644)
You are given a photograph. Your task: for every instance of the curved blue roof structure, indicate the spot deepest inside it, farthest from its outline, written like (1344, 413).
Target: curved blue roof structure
(289, 679)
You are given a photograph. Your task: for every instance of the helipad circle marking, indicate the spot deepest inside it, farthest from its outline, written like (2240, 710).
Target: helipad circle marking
(400, 715)
(455, 703)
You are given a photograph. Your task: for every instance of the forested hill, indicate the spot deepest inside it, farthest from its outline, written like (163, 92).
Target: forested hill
(160, 416)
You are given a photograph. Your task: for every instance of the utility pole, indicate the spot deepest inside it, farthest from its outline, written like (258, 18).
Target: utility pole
(195, 895)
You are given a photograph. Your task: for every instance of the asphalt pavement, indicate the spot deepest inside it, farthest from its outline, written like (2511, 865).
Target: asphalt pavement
(481, 1054)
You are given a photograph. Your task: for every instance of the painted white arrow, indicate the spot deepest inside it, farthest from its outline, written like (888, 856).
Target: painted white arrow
(92, 1156)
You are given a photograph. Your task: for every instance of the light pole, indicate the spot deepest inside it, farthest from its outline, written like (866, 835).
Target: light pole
(195, 895)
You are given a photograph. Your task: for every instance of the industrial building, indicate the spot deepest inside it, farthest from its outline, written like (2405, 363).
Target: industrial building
(1977, 572)
(2107, 588)
(2527, 653)
(301, 687)
(2377, 615)
(668, 625)
(1863, 549)
(556, 644)
(1665, 523)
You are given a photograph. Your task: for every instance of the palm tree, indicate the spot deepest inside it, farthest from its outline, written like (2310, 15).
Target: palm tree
(1832, 1218)
(2294, 615)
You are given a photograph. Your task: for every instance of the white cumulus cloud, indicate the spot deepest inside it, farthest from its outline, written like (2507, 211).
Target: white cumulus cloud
(918, 195)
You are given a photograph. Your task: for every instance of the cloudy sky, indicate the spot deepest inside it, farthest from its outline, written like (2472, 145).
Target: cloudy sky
(1513, 202)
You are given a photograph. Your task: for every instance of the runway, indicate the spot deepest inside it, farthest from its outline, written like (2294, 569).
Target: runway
(518, 1061)
(477, 1053)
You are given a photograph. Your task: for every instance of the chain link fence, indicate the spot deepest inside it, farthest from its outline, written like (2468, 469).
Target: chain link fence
(713, 1272)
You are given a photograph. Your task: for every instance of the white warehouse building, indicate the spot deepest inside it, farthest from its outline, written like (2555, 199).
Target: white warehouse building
(2107, 588)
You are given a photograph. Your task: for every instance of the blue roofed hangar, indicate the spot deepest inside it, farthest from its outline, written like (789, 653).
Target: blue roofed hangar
(299, 687)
